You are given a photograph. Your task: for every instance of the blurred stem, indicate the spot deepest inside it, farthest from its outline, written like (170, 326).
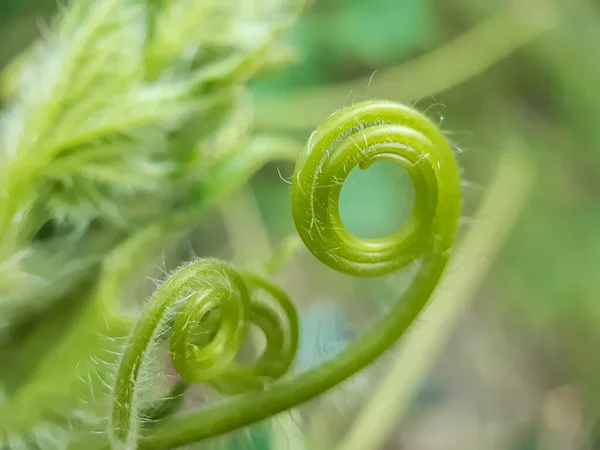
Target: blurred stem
(443, 68)
(248, 238)
(282, 254)
(503, 204)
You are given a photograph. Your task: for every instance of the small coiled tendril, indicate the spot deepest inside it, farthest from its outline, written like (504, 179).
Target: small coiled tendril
(359, 136)
(208, 307)
(355, 136)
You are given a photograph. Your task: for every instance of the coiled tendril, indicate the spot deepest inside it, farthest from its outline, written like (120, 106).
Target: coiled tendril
(355, 136)
(208, 307)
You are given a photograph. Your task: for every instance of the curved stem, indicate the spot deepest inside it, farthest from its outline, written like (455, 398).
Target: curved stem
(354, 137)
(504, 202)
(445, 67)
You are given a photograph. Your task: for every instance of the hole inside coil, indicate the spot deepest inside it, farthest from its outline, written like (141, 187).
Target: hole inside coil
(377, 201)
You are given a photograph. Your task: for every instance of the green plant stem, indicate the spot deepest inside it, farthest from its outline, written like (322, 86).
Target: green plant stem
(503, 204)
(445, 67)
(356, 136)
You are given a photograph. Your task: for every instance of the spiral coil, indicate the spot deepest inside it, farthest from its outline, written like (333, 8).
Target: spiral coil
(358, 136)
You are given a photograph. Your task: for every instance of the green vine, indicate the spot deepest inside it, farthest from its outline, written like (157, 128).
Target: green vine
(207, 305)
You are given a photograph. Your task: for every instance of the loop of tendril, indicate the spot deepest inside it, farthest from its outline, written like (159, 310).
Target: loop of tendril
(212, 301)
(208, 307)
(358, 136)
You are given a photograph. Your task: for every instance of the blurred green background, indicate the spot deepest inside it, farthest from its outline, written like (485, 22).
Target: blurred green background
(521, 368)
